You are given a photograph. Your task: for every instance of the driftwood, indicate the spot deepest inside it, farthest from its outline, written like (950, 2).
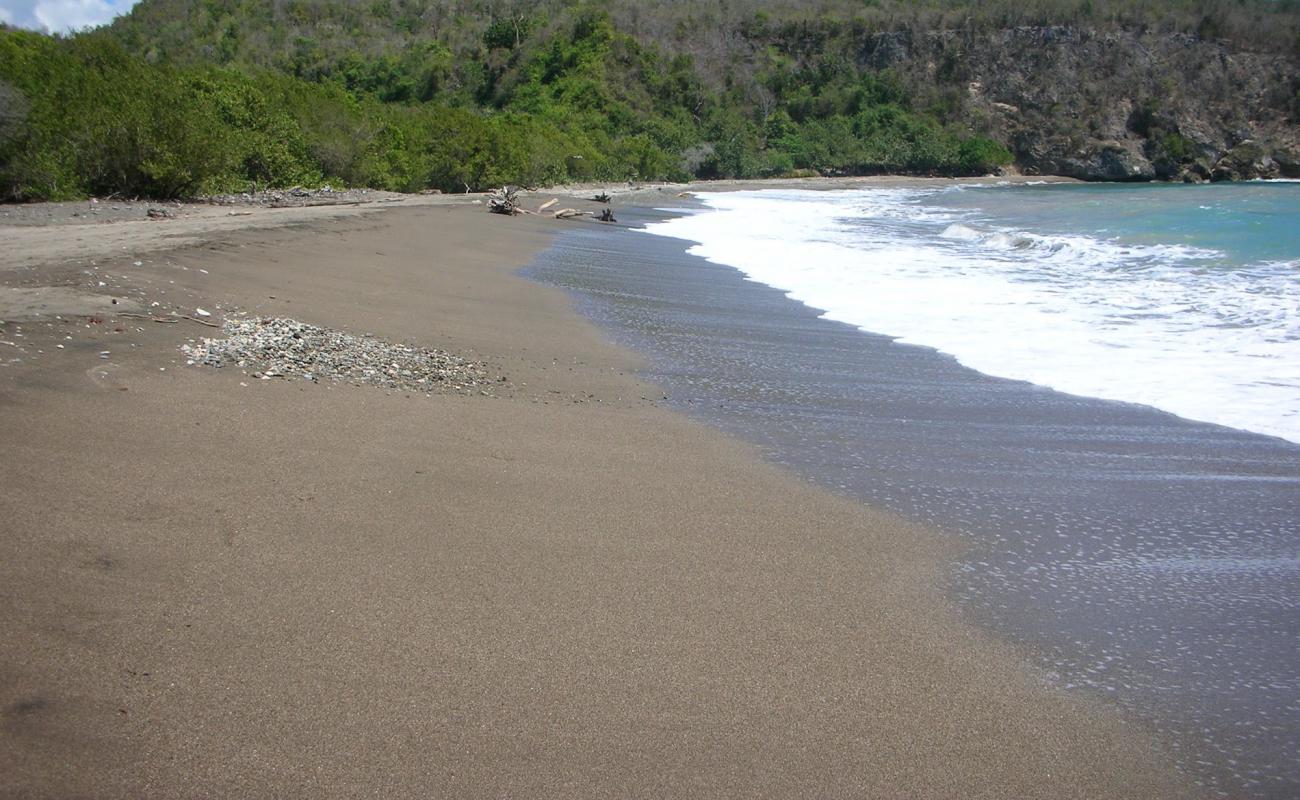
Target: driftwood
(603, 197)
(168, 320)
(505, 201)
(171, 320)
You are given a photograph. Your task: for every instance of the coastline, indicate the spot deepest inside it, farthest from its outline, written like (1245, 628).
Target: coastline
(297, 589)
(1139, 557)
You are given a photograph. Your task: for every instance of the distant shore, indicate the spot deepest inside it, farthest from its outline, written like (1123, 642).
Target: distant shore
(177, 223)
(224, 586)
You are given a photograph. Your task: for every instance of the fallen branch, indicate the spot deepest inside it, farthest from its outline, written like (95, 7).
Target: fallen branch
(170, 320)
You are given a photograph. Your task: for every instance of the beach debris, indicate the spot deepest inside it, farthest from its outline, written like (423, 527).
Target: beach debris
(299, 196)
(570, 213)
(504, 201)
(274, 347)
(547, 204)
(171, 319)
(159, 213)
(606, 215)
(202, 312)
(603, 197)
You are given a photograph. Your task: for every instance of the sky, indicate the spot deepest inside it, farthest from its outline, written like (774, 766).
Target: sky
(61, 16)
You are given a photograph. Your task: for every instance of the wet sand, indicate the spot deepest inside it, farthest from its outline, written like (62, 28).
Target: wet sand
(1141, 558)
(289, 589)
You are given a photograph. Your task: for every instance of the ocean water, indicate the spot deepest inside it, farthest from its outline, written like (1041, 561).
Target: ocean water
(1184, 298)
(1137, 556)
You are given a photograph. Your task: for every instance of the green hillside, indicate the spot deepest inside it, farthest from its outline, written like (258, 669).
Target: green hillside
(193, 96)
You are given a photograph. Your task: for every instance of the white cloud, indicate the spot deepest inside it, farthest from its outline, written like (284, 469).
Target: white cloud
(61, 16)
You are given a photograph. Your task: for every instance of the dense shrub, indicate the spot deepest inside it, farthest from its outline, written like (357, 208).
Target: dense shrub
(529, 100)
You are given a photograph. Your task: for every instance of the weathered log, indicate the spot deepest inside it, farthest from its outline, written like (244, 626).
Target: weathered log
(607, 215)
(504, 201)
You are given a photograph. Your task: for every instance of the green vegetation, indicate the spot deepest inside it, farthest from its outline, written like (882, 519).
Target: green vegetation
(96, 120)
(195, 96)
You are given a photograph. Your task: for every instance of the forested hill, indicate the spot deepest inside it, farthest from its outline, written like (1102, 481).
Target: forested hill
(186, 96)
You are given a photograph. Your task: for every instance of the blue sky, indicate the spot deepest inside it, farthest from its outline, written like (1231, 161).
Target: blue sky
(61, 16)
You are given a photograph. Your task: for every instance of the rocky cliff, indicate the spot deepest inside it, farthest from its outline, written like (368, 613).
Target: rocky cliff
(1121, 106)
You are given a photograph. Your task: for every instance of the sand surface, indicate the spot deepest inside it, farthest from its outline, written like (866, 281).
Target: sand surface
(216, 586)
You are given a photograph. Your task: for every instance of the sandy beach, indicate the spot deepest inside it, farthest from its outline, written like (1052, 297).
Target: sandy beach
(218, 586)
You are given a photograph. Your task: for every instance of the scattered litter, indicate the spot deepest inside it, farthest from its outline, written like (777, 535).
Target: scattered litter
(202, 313)
(277, 347)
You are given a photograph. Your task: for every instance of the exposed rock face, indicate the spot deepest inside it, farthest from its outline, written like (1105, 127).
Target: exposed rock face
(1104, 161)
(1111, 106)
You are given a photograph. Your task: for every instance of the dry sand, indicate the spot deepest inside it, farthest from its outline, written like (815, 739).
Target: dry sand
(288, 589)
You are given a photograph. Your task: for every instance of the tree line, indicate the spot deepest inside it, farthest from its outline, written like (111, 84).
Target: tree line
(188, 97)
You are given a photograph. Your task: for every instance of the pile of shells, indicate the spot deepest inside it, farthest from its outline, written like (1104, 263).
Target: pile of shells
(276, 347)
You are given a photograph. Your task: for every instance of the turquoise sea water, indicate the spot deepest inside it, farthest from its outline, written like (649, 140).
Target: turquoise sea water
(1184, 298)
(1244, 224)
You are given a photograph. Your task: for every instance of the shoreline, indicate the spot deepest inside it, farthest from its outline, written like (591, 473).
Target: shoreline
(1081, 516)
(299, 589)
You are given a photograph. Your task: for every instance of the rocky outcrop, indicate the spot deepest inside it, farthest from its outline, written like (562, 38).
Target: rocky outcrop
(1115, 106)
(1102, 161)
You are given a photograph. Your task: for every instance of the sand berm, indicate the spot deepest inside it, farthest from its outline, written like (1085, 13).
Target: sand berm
(219, 586)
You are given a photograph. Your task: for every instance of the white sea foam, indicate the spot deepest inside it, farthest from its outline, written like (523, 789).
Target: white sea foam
(1158, 324)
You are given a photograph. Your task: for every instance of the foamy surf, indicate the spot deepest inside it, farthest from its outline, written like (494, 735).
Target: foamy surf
(1075, 296)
